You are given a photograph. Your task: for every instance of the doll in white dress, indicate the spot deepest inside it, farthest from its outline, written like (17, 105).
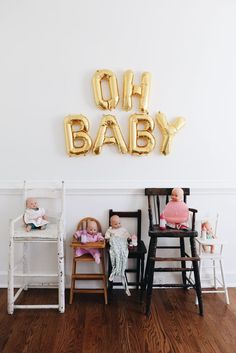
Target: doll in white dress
(34, 216)
(118, 238)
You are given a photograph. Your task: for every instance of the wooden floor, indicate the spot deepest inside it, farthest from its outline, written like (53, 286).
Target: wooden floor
(88, 326)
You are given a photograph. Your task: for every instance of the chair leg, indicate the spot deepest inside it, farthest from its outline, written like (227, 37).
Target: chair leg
(150, 273)
(223, 282)
(138, 273)
(214, 274)
(183, 263)
(142, 279)
(61, 275)
(25, 265)
(144, 283)
(11, 278)
(104, 275)
(145, 279)
(200, 274)
(72, 286)
(147, 266)
(196, 276)
(149, 286)
(110, 283)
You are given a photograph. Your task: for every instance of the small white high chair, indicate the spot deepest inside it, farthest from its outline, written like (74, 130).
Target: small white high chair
(209, 260)
(21, 242)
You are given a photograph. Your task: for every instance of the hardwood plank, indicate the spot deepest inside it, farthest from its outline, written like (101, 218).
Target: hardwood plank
(90, 326)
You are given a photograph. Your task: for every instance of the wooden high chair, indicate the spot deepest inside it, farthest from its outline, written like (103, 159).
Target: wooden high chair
(22, 273)
(76, 275)
(209, 260)
(137, 252)
(155, 262)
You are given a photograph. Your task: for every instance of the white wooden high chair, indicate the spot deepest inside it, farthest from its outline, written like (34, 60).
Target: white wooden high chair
(209, 260)
(20, 244)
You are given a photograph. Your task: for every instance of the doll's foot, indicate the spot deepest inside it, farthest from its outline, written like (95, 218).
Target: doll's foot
(28, 228)
(111, 277)
(183, 227)
(43, 227)
(126, 288)
(97, 259)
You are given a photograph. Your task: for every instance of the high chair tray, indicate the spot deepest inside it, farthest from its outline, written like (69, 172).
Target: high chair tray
(97, 244)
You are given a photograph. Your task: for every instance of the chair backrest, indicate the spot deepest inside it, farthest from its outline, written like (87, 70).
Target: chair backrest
(83, 223)
(129, 214)
(50, 195)
(156, 196)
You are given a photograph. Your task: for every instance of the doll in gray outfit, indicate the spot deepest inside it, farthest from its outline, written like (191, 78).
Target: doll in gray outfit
(118, 239)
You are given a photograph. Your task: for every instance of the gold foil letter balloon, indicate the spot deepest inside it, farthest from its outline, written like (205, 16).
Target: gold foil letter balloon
(129, 90)
(168, 131)
(141, 135)
(109, 122)
(78, 142)
(110, 77)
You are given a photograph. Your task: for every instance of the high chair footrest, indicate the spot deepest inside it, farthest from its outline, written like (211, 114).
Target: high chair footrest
(88, 276)
(173, 269)
(88, 290)
(196, 258)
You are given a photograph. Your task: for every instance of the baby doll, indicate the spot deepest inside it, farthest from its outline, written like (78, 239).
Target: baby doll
(118, 238)
(207, 233)
(89, 235)
(176, 212)
(34, 217)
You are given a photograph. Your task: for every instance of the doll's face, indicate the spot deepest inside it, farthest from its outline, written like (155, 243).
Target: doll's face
(206, 226)
(92, 228)
(31, 203)
(115, 222)
(177, 194)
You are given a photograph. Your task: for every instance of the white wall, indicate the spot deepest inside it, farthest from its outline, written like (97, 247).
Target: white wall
(49, 53)
(50, 50)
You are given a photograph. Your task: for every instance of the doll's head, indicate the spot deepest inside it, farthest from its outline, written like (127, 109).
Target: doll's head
(115, 222)
(206, 226)
(31, 203)
(177, 194)
(92, 228)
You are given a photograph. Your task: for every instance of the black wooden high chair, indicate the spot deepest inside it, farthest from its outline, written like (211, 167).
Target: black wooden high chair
(155, 198)
(137, 253)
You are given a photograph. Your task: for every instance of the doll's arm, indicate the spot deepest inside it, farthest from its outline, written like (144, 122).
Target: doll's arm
(127, 235)
(43, 214)
(77, 234)
(108, 234)
(100, 237)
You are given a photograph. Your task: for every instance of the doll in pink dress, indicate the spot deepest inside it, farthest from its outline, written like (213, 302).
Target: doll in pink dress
(89, 235)
(176, 212)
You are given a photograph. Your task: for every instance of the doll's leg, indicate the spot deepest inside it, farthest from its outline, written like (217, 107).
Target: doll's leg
(95, 254)
(204, 247)
(28, 228)
(80, 252)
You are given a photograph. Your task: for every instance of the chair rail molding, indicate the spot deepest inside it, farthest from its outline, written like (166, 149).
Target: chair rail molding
(123, 187)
